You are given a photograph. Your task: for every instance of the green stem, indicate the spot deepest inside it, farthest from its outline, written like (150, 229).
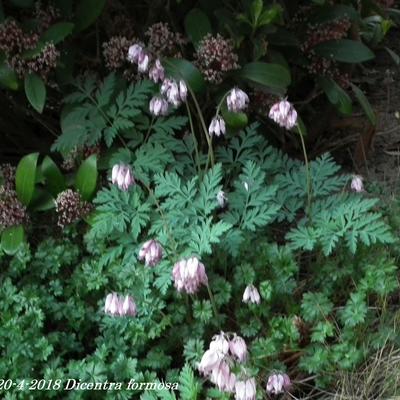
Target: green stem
(308, 174)
(196, 149)
(212, 302)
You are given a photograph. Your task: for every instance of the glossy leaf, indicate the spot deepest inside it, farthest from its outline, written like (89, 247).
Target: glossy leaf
(25, 178)
(86, 178)
(234, 120)
(12, 238)
(344, 50)
(365, 104)
(55, 180)
(58, 32)
(42, 200)
(336, 95)
(87, 12)
(271, 75)
(183, 69)
(35, 91)
(197, 25)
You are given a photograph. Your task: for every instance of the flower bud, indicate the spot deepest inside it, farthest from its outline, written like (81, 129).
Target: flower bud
(217, 126)
(158, 106)
(156, 72)
(251, 295)
(357, 183)
(237, 100)
(278, 383)
(143, 61)
(122, 176)
(238, 348)
(284, 114)
(151, 252)
(134, 52)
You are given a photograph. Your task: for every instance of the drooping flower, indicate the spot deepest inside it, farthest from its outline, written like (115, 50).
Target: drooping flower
(221, 376)
(170, 89)
(209, 361)
(183, 90)
(118, 306)
(237, 100)
(158, 106)
(238, 348)
(222, 199)
(189, 275)
(112, 304)
(284, 114)
(157, 72)
(143, 61)
(278, 383)
(245, 390)
(122, 176)
(251, 295)
(357, 183)
(151, 252)
(133, 53)
(220, 344)
(128, 307)
(217, 126)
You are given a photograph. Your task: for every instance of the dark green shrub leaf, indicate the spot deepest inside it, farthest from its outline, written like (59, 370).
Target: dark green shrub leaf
(35, 91)
(8, 78)
(12, 238)
(54, 178)
(25, 178)
(344, 50)
(58, 32)
(365, 104)
(336, 95)
(271, 75)
(87, 12)
(42, 200)
(86, 177)
(183, 69)
(234, 120)
(197, 25)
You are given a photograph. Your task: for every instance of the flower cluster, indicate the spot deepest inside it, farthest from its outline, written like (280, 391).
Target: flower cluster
(217, 363)
(215, 57)
(14, 42)
(122, 176)
(45, 15)
(284, 114)
(115, 51)
(151, 252)
(217, 126)
(12, 212)
(7, 173)
(189, 275)
(138, 55)
(119, 306)
(278, 383)
(70, 207)
(163, 42)
(251, 295)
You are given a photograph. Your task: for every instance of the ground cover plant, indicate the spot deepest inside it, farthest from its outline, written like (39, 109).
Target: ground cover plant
(165, 237)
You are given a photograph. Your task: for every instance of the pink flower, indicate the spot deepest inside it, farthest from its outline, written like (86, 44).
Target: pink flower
(245, 390)
(112, 304)
(221, 375)
(278, 383)
(170, 89)
(251, 295)
(217, 126)
(128, 307)
(134, 52)
(151, 252)
(357, 183)
(284, 114)
(143, 61)
(209, 361)
(158, 106)
(156, 72)
(219, 344)
(238, 348)
(189, 274)
(237, 100)
(122, 176)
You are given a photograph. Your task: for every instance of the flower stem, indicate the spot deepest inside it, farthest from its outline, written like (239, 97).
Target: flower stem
(308, 174)
(196, 149)
(212, 302)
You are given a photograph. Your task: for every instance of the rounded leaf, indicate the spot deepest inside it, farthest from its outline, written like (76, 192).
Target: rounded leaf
(344, 50)
(86, 178)
(55, 180)
(197, 25)
(12, 238)
(35, 91)
(25, 178)
(58, 32)
(183, 69)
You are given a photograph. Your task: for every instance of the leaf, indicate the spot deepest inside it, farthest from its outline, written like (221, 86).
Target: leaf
(236, 120)
(8, 78)
(86, 178)
(271, 75)
(12, 238)
(197, 25)
(54, 178)
(58, 32)
(365, 104)
(336, 95)
(35, 91)
(42, 200)
(395, 56)
(344, 50)
(25, 178)
(87, 12)
(183, 69)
